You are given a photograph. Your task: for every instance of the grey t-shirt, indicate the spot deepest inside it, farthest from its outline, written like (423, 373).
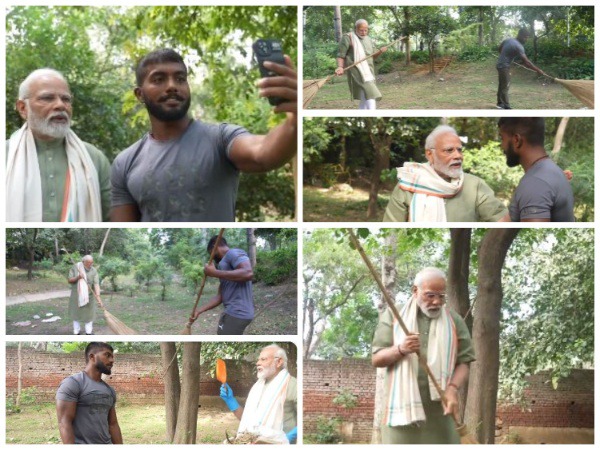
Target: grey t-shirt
(188, 179)
(94, 400)
(237, 296)
(543, 193)
(511, 48)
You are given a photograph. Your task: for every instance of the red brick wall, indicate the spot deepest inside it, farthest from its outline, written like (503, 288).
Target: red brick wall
(137, 378)
(571, 405)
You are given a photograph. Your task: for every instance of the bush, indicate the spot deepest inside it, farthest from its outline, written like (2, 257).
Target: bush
(475, 53)
(327, 431)
(319, 60)
(346, 399)
(277, 266)
(45, 264)
(419, 57)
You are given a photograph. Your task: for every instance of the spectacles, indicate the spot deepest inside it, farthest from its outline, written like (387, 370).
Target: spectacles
(431, 296)
(51, 98)
(450, 150)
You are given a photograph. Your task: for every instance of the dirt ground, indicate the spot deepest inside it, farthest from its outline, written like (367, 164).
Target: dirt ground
(329, 205)
(461, 85)
(539, 435)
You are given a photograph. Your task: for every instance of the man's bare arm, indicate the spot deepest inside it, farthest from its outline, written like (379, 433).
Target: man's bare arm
(113, 427)
(65, 411)
(125, 213)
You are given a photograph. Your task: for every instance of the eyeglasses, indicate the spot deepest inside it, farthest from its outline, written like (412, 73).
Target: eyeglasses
(450, 150)
(51, 98)
(431, 296)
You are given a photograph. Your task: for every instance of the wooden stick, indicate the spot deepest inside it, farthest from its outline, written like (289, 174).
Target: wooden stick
(372, 54)
(210, 260)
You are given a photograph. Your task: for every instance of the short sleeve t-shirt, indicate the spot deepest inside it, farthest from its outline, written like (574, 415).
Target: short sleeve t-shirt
(188, 179)
(543, 193)
(94, 401)
(511, 48)
(237, 296)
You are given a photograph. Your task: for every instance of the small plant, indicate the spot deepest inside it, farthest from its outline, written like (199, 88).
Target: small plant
(327, 431)
(11, 407)
(345, 399)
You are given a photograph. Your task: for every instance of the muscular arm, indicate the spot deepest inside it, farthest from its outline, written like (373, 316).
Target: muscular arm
(529, 64)
(65, 411)
(125, 213)
(113, 427)
(243, 272)
(212, 303)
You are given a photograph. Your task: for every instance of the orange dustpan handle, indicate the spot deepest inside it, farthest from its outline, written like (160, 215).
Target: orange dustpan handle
(221, 371)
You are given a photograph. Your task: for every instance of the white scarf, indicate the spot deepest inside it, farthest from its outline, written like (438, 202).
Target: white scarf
(81, 199)
(359, 53)
(429, 191)
(83, 295)
(404, 404)
(263, 412)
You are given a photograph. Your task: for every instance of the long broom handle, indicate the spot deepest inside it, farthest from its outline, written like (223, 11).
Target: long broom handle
(371, 55)
(396, 314)
(531, 70)
(210, 260)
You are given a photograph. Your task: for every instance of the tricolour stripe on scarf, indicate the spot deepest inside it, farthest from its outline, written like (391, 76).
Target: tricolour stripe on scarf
(420, 189)
(271, 405)
(65, 215)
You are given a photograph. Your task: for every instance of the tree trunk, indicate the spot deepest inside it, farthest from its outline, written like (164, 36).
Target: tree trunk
(337, 23)
(31, 252)
(251, 241)
(104, 241)
(535, 40)
(168, 354)
(56, 248)
(483, 381)
(187, 416)
(381, 146)
(407, 34)
(457, 287)
(19, 376)
(480, 28)
(388, 277)
(294, 163)
(558, 139)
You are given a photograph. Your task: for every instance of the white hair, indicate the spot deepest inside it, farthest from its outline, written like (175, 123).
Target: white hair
(437, 131)
(279, 353)
(87, 258)
(46, 72)
(428, 273)
(360, 22)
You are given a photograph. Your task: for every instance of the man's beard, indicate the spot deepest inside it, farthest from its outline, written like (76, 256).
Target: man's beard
(445, 169)
(512, 159)
(427, 312)
(267, 372)
(103, 368)
(155, 109)
(44, 125)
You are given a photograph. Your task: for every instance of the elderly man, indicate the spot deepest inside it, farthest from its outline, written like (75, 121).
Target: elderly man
(85, 404)
(353, 47)
(439, 191)
(83, 277)
(544, 193)
(235, 289)
(186, 170)
(509, 50)
(51, 174)
(271, 406)
(414, 412)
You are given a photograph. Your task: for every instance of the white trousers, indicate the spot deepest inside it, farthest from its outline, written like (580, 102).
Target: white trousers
(366, 104)
(77, 327)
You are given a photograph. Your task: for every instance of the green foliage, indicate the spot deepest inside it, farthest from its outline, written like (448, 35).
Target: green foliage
(146, 271)
(192, 272)
(274, 267)
(111, 267)
(45, 264)
(475, 53)
(346, 399)
(327, 431)
(319, 59)
(419, 57)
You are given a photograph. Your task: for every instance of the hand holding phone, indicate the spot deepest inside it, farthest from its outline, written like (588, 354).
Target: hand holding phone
(269, 50)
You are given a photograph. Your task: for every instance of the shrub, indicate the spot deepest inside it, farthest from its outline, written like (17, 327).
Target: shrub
(475, 53)
(419, 57)
(327, 431)
(345, 399)
(277, 266)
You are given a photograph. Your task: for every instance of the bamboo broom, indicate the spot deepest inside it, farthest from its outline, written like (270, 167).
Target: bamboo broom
(461, 428)
(311, 87)
(191, 320)
(582, 89)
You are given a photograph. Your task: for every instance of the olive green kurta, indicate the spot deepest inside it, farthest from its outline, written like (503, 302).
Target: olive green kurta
(437, 429)
(355, 82)
(474, 203)
(52, 159)
(86, 313)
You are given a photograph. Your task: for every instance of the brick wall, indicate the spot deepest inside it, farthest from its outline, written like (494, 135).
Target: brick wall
(137, 378)
(571, 405)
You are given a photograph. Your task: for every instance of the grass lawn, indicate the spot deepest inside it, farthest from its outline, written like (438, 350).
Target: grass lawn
(43, 281)
(324, 205)
(143, 311)
(465, 85)
(140, 424)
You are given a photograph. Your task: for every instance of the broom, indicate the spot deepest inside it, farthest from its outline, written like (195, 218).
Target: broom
(311, 87)
(117, 326)
(582, 89)
(461, 428)
(188, 326)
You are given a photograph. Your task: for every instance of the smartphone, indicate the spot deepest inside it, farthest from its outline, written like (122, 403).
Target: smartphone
(269, 50)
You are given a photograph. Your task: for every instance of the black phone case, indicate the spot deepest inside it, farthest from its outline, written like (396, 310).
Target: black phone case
(268, 50)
